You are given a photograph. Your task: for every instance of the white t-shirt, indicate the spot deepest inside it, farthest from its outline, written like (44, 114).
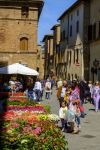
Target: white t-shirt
(62, 112)
(37, 86)
(63, 91)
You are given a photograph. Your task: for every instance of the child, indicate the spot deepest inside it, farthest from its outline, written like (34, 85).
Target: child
(77, 114)
(62, 114)
(72, 115)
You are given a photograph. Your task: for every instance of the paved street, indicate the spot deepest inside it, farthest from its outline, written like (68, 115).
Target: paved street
(89, 137)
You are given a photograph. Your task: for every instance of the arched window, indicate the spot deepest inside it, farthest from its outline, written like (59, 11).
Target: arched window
(24, 43)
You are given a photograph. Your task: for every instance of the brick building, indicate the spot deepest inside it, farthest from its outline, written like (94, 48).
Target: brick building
(48, 50)
(56, 49)
(40, 61)
(18, 31)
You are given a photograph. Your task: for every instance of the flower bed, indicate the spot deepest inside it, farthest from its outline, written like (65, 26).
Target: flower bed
(19, 96)
(30, 127)
(41, 135)
(35, 109)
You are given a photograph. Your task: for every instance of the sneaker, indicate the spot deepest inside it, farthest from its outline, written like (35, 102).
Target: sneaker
(62, 130)
(75, 132)
(79, 127)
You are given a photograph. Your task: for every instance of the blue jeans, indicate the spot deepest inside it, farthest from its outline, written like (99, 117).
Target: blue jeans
(63, 123)
(78, 120)
(48, 95)
(38, 94)
(30, 95)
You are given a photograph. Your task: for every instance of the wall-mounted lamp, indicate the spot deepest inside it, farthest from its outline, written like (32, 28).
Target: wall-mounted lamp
(96, 63)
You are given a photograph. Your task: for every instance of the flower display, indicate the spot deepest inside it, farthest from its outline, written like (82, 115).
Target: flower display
(53, 117)
(36, 109)
(30, 127)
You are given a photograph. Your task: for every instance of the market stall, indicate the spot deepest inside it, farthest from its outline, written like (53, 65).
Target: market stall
(16, 69)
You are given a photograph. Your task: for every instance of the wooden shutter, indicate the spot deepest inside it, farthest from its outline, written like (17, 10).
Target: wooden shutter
(23, 44)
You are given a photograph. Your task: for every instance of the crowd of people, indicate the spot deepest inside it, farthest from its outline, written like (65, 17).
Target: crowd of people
(33, 89)
(72, 96)
(35, 92)
(11, 85)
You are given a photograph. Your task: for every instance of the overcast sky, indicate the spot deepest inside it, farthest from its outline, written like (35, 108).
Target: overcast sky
(51, 11)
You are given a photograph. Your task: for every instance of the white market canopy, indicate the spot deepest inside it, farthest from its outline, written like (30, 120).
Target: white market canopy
(18, 69)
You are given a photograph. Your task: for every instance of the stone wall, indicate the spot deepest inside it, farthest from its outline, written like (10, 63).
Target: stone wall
(12, 28)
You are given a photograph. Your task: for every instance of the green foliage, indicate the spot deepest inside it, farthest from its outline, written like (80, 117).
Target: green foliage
(50, 138)
(18, 103)
(47, 107)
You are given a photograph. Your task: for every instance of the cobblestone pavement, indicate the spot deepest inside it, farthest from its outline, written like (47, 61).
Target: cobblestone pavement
(89, 137)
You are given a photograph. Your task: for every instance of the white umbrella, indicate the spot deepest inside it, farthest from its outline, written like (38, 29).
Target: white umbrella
(18, 69)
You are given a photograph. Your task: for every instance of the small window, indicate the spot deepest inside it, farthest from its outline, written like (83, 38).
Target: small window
(71, 17)
(77, 12)
(72, 77)
(74, 57)
(99, 28)
(77, 55)
(24, 43)
(37, 69)
(90, 35)
(61, 36)
(77, 27)
(67, 57)
(64, 35)
(75, 76)
(25, 12)
(70, 57)
(70, 30)
(94, 31)
(68, 76)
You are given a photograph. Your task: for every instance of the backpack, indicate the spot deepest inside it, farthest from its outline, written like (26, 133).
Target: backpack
(48, 86)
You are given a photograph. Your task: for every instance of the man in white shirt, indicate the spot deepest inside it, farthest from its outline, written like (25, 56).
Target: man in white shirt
(38, 89)
(48, 89)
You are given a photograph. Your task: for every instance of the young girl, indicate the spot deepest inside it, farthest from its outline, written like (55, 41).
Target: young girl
(62, 114)
(77, 114)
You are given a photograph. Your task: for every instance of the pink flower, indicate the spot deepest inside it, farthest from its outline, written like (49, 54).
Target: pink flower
(16, 125)
(27, 129)
(37, 130)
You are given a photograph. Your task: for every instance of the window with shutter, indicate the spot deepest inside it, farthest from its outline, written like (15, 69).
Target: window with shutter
(74, 57)
(64, 35)
(77, 55)
(77, 27)
(70, 57)
(70, 30)
(90, 35)
(99, 28)
(24, 43)
(94, 31)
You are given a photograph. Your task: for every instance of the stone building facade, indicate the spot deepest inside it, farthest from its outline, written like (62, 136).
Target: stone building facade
(18, 31)
(48, 50)
(40, 61)
(56, 49)
(74, 41)
(94, 39)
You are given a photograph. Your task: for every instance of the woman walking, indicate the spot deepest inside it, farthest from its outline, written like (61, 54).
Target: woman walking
(48, 89)
(96, 95)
